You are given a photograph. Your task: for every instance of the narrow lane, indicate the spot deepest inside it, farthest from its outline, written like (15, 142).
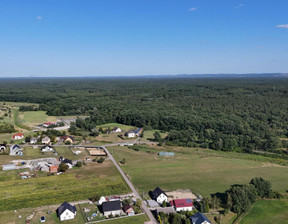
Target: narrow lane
(145, 208)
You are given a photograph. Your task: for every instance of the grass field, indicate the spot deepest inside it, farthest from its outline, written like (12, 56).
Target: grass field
(112, 125)
(33, 118)
(203, 174)
(76, 184)
(266, 212)
(140, 219)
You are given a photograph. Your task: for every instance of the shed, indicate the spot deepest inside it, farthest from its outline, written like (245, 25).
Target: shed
(9, 167)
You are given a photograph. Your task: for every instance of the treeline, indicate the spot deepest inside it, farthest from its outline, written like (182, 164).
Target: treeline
(6, 128)
(222, 114)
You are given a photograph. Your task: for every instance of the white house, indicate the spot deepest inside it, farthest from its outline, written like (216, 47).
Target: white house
(66, 211)
(18, 136)
(111, 208)
(199, 218)
(46, 149)
(130, 134)
(182, 205)
(116, 130)
(15, 150)
(2, 147)
(159, 195)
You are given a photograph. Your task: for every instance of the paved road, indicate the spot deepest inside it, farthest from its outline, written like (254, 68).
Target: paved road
(145, 208)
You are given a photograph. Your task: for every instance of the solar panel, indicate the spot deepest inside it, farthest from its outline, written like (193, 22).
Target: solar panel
(188, 200)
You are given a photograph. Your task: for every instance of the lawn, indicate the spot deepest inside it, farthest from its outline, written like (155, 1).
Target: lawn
(77, 184)
(33, 118)
(266, 212)
(203, 174)
(112, 125)
(139, 219)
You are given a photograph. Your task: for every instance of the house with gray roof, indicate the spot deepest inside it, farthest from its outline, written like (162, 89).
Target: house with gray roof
(199, 218)
(66, 211)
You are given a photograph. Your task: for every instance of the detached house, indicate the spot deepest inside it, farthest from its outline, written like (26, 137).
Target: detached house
(67, 139)
(111, 208)
(116, 130)
(159, 195)
(2, 147)
(15, 150)
(130, 134)
(66, 211)
(199, 218)
(33, 140)
(18, 136)
(47, 148)
(182, 205)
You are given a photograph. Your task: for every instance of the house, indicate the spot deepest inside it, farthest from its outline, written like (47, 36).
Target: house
(33, 140)
(111, 208)
(182, 205)
(159, 195)
(68, 162)
(130, 134)
(46, 140)
(66, 211)
(42, 219)
(115, 130)
(47, 148)
(129, 210)
(166, 210)
(199, 218)
(15, 150)
(138, 131)
(2, 147)
(18, 136)
(53, 169)
(67, 139)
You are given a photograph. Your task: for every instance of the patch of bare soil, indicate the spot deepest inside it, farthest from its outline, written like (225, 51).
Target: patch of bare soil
(180, 194)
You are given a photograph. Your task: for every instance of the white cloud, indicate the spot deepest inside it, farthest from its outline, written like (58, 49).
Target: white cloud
(239, 6)
(192, 9)
(285, 26)
(39, 17)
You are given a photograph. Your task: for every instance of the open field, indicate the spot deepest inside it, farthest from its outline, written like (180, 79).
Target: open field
(139, 219)
(202, 174)
(266, 212)
(76, 184)
(112, 125)
(149, 134)
(13, 217)
(33, 118)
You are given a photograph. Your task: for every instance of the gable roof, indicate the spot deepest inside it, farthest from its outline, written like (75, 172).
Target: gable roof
(18, 134)
(199, 218)
(15, 147)
(67, 161)
(65, 206)
(155, 194)
(115, 129)
(181, 203)
(111, 206)
(127, 207)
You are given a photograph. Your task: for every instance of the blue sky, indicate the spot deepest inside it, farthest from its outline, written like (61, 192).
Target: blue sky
(142, 37)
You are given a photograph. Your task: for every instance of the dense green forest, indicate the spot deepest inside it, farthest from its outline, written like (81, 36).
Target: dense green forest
(223, 114)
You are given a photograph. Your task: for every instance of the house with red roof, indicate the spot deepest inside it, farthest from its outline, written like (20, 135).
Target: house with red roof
(182, 205)
(18, 136)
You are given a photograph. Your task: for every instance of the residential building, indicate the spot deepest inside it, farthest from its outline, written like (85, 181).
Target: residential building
(46, 140)
(18, 136)
(47, 148)
(2, 147)
(111, 208)
(66, 211)
(128, 209)
(182, 205)
(115, 130)
(33, 140)
(199, 218)
(159, 195)
(130, 134)
(15, 150)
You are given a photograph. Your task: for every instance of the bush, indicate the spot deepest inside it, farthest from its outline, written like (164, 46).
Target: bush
(101, 160)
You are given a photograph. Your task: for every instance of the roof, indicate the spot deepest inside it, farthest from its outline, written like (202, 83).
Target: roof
(65, 206)
(199, 218)
(166, 153)
(18, 134)
(67, 161)
(138, 130)
(115, 129)
(181, 203)
(127, 207)
(46, 138)
(16, 146)
(157, 192)
(111, 206)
